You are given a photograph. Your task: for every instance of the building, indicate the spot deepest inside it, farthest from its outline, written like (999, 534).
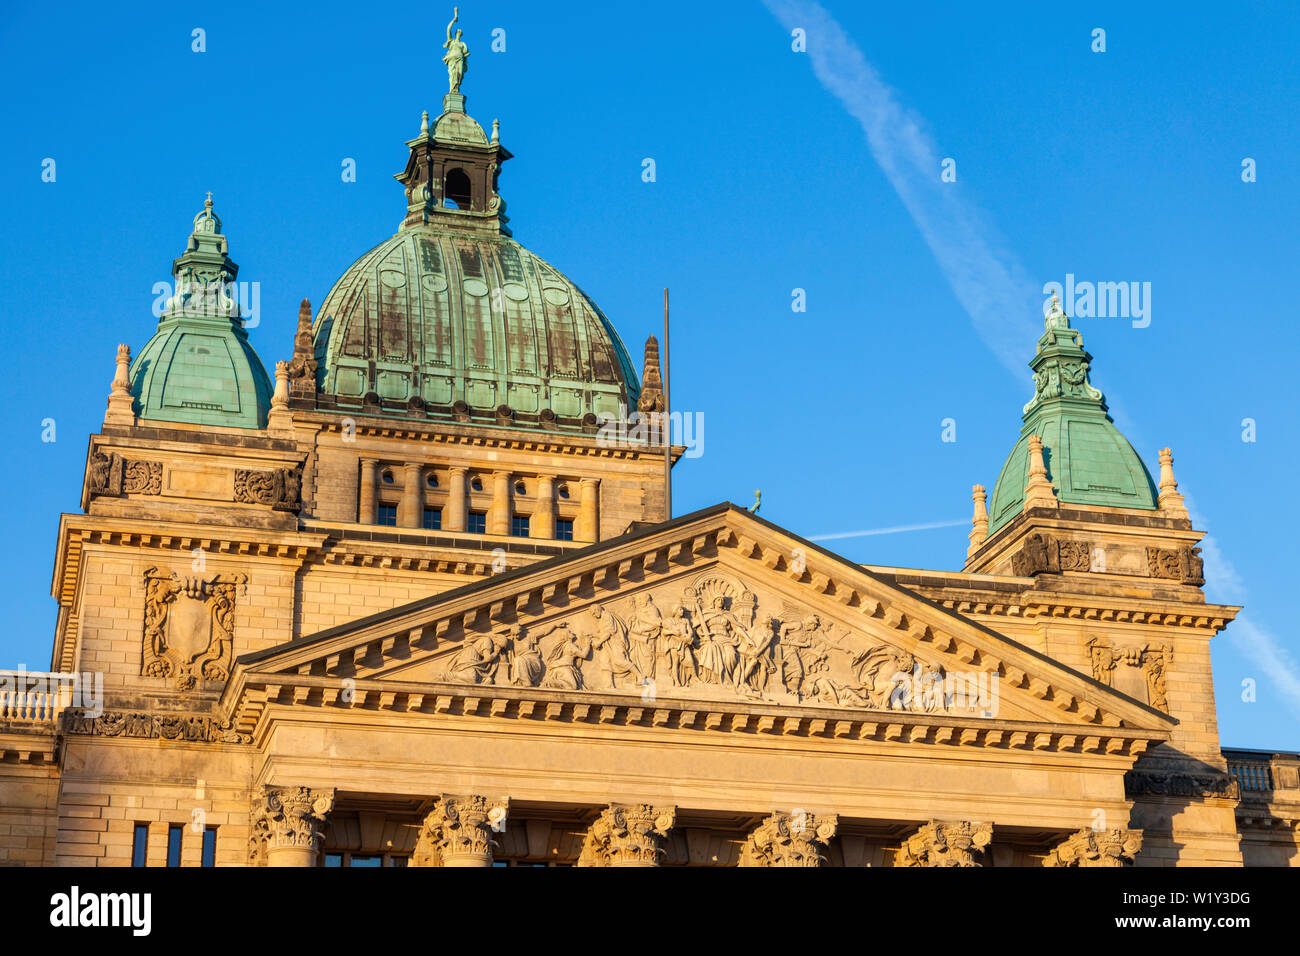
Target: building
(407, 602)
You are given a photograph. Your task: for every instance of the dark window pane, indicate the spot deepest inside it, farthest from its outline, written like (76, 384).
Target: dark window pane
(477, 522)
(174, 833)
(433, 519)
(210, 846)
(388, 515)
(519, 526)
(140, 844)
(366, 861)
(564, 529)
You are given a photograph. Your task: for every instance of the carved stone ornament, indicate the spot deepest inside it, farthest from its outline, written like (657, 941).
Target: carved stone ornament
(1142, 783)
(627, 835)
(946, 844)
(1044, 553)
(302, 369)
(713, 639)
(789, 839)
(1152, 660)
(142, 478)
(189, 626)
(458, 831)
(112, 476)
(281, 489)
(1177, 564)
(1096, 848)
(287, 817)
(190, 727)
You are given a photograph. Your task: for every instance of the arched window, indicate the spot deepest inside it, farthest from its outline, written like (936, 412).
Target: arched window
(457, 193)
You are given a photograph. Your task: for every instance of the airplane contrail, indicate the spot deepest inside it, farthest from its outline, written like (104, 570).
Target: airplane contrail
(899, 529)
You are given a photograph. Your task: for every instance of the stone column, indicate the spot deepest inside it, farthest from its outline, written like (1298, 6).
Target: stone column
(288, 825)
(458, 831)
(1039, 492)
(979, 530)
(543, 523)
(366, 496)
(1096, 848)
(499, 517)
(946, 844)
(454, 519)
(627, 835)
(589, 510)
(789, 839)
(410, 514)
(121, 406)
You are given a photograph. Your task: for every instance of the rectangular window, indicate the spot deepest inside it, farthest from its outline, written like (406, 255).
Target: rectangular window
(477, 523)
(388, 515)
(433, 519)
(140, 844)
(334, 859)
(209, 846)
(174, 834)
(563, 529)
(519, 526)
(365, 861)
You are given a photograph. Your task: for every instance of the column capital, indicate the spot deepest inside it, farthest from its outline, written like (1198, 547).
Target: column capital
(627, 835)
(790, 839)
(946, 844)
(288, 818)
(1088, 847)
(458, 830)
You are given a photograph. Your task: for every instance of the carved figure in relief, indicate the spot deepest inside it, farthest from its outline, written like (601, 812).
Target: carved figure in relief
(718, 655)
(755, 668)
(478, 660)
(526, 665)
(609, 648)
(563, 664)
(644, 631)
(795, 652)
(679, 648)
(878, 669)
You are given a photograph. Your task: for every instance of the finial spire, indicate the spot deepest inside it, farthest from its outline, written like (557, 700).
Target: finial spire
(652, 383)
(979, 531)
(1039, 493)
(121, 406)
(424, 123)
(302, 370)
(1170, 500)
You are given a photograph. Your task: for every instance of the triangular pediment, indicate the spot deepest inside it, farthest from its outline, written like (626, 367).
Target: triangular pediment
(719, 610)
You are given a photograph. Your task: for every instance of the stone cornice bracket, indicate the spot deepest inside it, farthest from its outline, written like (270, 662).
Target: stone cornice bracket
(1170, 501)
(1039, 493)
(946, 844)
(1088, 847)
(288, 821)
(121, 406)
(789, 839)
(979, 531)
(627, 835)
(458, 831)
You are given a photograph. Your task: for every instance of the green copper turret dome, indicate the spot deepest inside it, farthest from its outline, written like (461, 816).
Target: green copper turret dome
(452, 318)
(1088, 461)
(199, 366)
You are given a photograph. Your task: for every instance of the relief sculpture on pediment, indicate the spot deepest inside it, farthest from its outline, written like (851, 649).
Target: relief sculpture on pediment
(716, 638)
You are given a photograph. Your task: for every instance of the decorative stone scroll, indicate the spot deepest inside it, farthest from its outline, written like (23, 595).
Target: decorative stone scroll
(1152, 660)
(946, 844)
(191, 727)
(112, 476)
(1144, 783)
(288, 819)
(1042, 553)
(142, 478)
(1088, 847)
(1177, 564)
(458, 831)
(189, 626)
(713, 639)
(281, 489)
(627, 835)
(789, 839)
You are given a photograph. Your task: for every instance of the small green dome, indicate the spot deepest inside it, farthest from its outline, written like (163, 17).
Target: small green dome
(1088, 461)
(199, 366)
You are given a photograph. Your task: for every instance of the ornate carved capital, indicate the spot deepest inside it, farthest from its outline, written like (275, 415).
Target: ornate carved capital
(1088, 847)
(288, 817)
(789, 839)
(627, 835)
(946, 844)
(458, 831)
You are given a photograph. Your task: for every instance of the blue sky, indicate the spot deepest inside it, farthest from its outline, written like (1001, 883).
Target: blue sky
(1115, 166)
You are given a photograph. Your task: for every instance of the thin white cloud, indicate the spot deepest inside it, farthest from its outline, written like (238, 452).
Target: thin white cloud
(991, 284)
(899, 529)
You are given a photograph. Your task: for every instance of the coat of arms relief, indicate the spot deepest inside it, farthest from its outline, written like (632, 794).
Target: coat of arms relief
(189, 626)
(715, 638)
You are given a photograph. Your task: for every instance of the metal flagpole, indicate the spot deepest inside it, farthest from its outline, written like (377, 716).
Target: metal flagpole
(668, 427)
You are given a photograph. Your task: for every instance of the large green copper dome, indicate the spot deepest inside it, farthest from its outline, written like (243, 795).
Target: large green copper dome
(1088, 461)
(452, 318)
(199, 366)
